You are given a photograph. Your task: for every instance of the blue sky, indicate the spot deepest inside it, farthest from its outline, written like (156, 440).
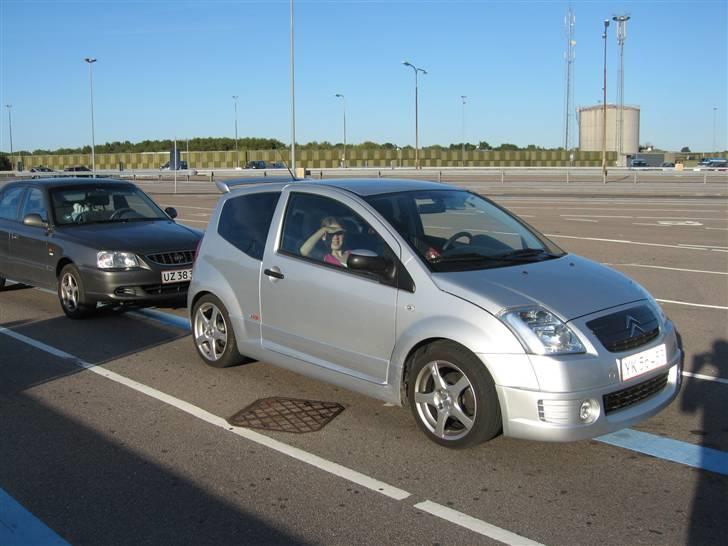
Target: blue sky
(170, 68)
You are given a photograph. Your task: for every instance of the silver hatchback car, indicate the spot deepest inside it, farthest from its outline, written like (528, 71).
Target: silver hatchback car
(423, 294)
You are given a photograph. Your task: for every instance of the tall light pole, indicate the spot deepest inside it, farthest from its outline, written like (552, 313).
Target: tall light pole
(463, 98)
(621, 21)
(10, 127)
(417, 122)
(343, 100)
(604, 106)
(91, 61)
(715, 145)
(293, 104)
(237, 154)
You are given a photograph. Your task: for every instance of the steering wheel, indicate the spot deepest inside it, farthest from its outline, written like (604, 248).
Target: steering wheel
(121, 212)
(455, 237)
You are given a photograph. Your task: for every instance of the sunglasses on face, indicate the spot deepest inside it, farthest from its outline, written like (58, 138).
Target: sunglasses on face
(335, 233)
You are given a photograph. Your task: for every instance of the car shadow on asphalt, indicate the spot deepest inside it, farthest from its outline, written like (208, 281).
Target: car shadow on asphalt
(708, 511)
(91, 486)
(107, 337)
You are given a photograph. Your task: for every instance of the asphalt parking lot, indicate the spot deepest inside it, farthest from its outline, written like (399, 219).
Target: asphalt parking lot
(114, 432)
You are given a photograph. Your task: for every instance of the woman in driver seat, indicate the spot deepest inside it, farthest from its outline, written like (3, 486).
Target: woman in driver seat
(332, 234)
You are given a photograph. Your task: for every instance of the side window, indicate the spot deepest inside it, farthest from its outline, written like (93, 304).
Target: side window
(9, 203)
(34, 204)
(326, 230)
(245, 221)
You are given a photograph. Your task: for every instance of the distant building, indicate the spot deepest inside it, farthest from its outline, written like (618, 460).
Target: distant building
(591, 129)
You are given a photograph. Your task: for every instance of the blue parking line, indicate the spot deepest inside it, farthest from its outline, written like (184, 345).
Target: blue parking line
(18, 527)
(668, 449)
(167, 318)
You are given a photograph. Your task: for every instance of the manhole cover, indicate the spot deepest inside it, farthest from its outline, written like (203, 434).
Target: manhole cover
(287, 415)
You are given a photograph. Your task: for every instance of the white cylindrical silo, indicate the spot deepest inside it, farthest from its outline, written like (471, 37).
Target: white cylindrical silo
(591, 128)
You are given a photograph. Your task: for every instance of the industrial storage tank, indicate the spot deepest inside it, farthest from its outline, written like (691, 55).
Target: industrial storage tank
(590, 128)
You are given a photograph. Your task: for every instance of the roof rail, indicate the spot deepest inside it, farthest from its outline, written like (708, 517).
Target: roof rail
(226, 185)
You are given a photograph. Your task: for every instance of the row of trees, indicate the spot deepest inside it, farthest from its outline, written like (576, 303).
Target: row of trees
(210, 144)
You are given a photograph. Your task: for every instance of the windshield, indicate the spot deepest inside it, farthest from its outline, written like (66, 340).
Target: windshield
(94, 204)
(455, 230)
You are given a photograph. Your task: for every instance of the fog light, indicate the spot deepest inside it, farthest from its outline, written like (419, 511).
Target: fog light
(588, 411)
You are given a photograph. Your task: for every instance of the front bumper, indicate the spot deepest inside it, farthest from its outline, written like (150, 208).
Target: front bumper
(138, 286)
(550, 412)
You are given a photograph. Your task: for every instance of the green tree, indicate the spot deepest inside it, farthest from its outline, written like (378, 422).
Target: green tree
(685, 149)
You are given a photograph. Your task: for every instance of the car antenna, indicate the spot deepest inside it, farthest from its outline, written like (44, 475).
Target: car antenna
(293, 176)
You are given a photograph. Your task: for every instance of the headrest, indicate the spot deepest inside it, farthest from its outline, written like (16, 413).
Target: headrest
(98, 199)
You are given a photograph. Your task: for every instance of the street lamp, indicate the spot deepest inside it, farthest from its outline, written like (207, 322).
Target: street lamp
(604, 106)
(91, 61)
(343, 100)
(237, 154)
(463, 97)
(293, 104)
(10, 127)
(417, 126)
(715, 145)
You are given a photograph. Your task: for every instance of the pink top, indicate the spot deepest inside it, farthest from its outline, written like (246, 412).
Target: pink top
(329, 259)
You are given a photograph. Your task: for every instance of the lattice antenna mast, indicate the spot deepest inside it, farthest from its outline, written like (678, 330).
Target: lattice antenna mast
(621, 21)
(569, 56)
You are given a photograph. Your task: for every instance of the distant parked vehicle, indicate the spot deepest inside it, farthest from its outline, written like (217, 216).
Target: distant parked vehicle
(636, 163)
(78, 169)
(277, 165)
(705, 161)
(256, 164)
(668, 165)
(41, 169)
(181, 166)
(718, 163)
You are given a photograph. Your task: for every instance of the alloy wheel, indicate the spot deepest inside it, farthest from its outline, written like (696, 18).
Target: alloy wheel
(445, 400)
(210, 331)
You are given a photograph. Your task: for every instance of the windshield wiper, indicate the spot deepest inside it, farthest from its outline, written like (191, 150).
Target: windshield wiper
(470, 257)
(526, 253)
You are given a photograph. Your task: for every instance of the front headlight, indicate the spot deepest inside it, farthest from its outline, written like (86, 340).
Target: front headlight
(541, 332)
(116, 260)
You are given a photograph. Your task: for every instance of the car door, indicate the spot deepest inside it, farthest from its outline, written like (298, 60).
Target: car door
(10, 201)
(31, 246)
(325, 314)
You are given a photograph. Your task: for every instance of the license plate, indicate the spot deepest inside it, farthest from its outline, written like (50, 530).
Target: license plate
(177, 275)
(643, 362)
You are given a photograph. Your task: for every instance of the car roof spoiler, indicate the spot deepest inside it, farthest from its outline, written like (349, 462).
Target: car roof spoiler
(225, 186)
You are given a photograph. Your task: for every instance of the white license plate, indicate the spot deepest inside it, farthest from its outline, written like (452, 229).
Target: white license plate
(177, 275)
(643, 362)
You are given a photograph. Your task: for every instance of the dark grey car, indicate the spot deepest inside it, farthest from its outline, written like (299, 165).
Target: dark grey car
(96, 241)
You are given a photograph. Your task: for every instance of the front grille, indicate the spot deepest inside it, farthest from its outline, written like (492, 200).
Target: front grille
(177, 257)
(626, 330)
(165, 289)
(626, 397)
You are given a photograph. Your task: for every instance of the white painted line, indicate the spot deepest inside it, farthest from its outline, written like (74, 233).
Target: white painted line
(167, 318)
(706, 377)
(294, 452)
(718, 228)
(704, 246)
(668, 268)
(621, 241)
(18, 527)
(693, 304)
(473, 524)
(581, 220)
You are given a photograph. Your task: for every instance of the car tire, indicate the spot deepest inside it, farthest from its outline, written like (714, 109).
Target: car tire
(213, 335)
(452, 396)
(72, 295)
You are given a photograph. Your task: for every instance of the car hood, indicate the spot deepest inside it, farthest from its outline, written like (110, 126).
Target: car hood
(138, 237)
(569, 286)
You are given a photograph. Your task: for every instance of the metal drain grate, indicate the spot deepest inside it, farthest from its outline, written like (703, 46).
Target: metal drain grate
(287, 415)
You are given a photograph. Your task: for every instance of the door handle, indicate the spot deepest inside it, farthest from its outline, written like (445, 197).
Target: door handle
(14, 236)
(275, 273)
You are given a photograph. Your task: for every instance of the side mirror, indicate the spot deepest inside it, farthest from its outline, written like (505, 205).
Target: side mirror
(34, 220)
(366, 260)
(171, 212)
